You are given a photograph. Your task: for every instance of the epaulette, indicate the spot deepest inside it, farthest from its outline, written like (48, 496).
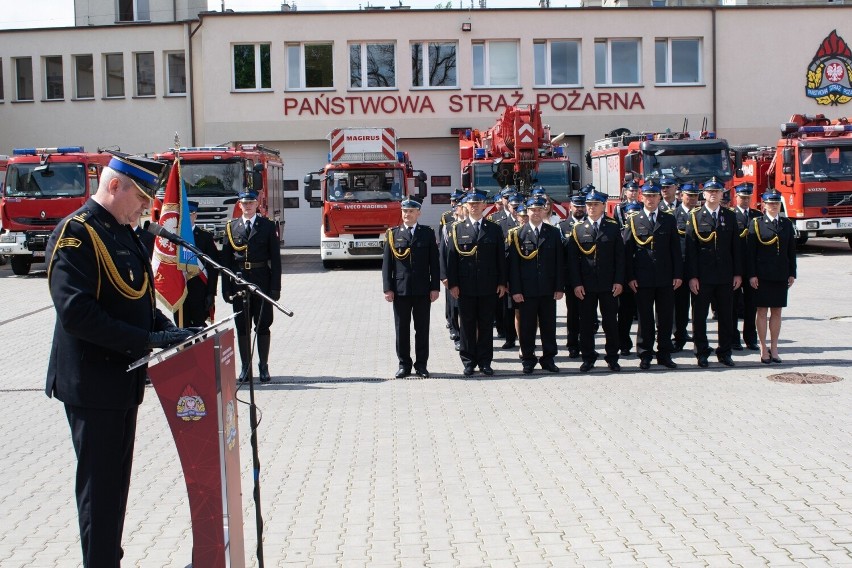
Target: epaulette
(200, 228)
(669, 211)
(695, 209)
(611, 220)
(82, 217)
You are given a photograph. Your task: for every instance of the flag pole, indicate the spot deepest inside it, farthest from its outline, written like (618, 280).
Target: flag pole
(177, 164)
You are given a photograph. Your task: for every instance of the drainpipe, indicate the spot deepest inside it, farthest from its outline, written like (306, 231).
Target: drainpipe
(191, 82)
(715, 63)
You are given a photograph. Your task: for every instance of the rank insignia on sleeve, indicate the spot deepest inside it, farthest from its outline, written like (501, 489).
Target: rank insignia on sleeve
(68, 242)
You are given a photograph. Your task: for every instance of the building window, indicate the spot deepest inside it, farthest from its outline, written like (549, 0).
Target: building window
(557, 63)
(1, 80)
(145, 74)
(617, 62)
(495, 64)
(23, 78)
(252, 67)
(54, 89)
(133, 11)
(176, 73)
(309, 66)
(678, 61)
(433, 64)
(379, 59)
(114, 72)
(84, 77)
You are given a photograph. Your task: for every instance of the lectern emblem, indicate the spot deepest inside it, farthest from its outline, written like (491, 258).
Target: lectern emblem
(230, 425)
(190, 406)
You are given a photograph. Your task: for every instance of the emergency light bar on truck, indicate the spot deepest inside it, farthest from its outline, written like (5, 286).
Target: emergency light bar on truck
(39, 151)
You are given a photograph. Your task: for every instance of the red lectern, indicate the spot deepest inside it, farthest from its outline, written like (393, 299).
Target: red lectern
(196, 386)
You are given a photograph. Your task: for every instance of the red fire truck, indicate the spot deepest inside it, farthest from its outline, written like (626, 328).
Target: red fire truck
(623, 156)
(518, 150)
(360, 190)
(3, 161)
(43, 186)
(215, 175)
(811, 166)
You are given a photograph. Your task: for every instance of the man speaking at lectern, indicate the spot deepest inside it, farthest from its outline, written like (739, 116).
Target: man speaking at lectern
(101, 284)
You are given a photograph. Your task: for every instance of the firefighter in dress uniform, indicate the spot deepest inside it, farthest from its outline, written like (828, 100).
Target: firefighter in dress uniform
(410, 280)
(578, 215)
(771, 269)
(102, 287)
(689, 193)
(510, 319)
(627, 299)
(713, 267)
(596, 276)
(476, 274)
(653, 271)
(451, 305)
(251, 247)
(536, 282)
(201, 289)
(744, 296)
(668, 193)
(501, 213)
(502, 204)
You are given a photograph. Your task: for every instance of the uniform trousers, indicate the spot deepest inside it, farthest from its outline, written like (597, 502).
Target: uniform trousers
(626, 314)
(406, 308)
(261, 312)
(609, 319)
(682, 298)
(744, 297)
(650, 302)
(476, 321)
(721, 295)
(538, 312)
(572, 304)
(103, 441)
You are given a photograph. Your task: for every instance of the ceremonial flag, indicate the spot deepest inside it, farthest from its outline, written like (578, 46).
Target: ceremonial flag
(169, 279)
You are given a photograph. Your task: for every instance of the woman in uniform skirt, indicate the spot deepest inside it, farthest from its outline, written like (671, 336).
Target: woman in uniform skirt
(771, 270)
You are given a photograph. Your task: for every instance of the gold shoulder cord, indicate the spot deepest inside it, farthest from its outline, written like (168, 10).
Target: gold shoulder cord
(471, 252)
(514, 235)
(708, 238)
(772, 241)
(744, 234)
(639, 241)
(594, 248)
(399, 256)
(231, 240)
(105, 261)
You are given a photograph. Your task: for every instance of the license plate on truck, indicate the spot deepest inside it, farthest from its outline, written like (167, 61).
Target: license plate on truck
(846, 225)
(365, 244)
(38, 253)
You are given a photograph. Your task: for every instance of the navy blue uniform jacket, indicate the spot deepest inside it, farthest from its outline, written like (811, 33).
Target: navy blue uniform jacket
(417, 273)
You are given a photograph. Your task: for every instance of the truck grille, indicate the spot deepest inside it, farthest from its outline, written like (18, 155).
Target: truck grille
(828, 199)
(362, 251)
(37, 221)
(361, 230)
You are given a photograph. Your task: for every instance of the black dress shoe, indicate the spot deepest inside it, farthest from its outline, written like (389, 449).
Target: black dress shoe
(573, 353)
(625, 352)
(678, 346)
(726, 360)
(454, 336)
(264, 373)
(528, 370)
(402, 372)
(457, 345)
(508, 345)
(501, 335)
(645, 364)
(702, 362)
(667, 363)
(550, 367)
(737, 346)
(766, 361)
(468, 371)
(421, 372)
(776, 359)
(752, 346)
(244, 375)
(487, 370)
(586, 366)
(614, 366)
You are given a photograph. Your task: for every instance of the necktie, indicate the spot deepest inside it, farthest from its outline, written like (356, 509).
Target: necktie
(715, 219)
(535, 232)
(775, 223)
(248, 227)
(411, 232)
(595, 230)
(653, 217)
(476, 229)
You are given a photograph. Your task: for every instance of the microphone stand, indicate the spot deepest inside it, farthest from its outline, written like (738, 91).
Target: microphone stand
(247, 290)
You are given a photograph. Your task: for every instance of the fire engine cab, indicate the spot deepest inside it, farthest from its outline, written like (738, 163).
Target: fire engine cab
(42, 187)
(811, 166)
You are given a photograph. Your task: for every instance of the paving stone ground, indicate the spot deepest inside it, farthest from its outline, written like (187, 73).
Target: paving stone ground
(692, 467)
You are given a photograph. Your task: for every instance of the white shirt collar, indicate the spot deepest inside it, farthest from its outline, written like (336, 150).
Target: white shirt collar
(536, 227)
(648, 213)
(252, 220)
(713, 211)
(414, 226)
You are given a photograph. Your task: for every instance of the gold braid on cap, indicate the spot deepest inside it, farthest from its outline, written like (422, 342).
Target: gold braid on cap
(513, 235)
(456, 244)
(772, 241)
(231, 240)
(594, 248)
(639, 241)
(398, 255)
(708, 238)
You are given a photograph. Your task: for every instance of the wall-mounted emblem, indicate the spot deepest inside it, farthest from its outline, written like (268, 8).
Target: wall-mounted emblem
(829, 72)
(190, 406)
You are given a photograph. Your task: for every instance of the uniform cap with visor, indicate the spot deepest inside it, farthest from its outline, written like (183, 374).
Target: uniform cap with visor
(536, 201)
(143, 172)
(745, 188)
(410, 204)
(713, 184)
(772, 196)
(248, 195)
(595, 197)
(651, 187)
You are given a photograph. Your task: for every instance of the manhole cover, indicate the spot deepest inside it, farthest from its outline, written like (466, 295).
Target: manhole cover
(804, 378)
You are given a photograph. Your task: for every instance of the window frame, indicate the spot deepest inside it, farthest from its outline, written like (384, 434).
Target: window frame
(363, 45)
(2, 85)
(47, 60)
(18, 61)
(136, 17)
(669, 82)
(76, 94)
(548, 63)
(301, 70)
(167, 74)
(608, 82)
(486, 63)
(258, 69)
(136, 79)
(424, 47)
(107, 94)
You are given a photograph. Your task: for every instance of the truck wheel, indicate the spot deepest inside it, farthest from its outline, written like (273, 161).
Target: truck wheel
(849, 240)
(21, 265)
(329, 264)
(3, 259)
(801, 240)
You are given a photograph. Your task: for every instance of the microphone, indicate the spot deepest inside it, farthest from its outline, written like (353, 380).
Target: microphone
(160, 231)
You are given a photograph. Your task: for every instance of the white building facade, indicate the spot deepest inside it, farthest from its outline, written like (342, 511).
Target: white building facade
(287, 79)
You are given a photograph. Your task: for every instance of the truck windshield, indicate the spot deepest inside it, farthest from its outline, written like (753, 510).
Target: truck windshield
(692, 165)
(484, 180)
(818, 163)
(553, 177)
(210, 179)
(51, 180)
(365, 185)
